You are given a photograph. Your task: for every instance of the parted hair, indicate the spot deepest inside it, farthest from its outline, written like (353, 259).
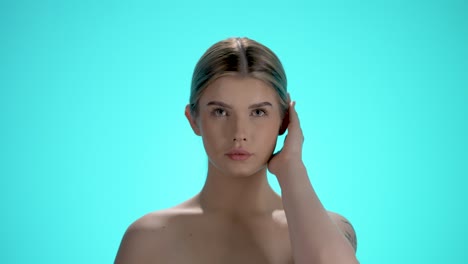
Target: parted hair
(240, 57)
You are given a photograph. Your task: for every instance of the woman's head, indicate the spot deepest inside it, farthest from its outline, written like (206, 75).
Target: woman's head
(241, 57)
(238, 104)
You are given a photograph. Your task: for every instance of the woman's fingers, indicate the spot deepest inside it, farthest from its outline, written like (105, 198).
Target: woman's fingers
(294, 127)
(294, 118)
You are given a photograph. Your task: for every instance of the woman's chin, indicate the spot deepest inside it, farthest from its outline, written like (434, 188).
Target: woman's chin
(244, 172)
(238, 169)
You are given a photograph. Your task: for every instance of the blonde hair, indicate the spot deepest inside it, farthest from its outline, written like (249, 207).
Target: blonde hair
(241, 57)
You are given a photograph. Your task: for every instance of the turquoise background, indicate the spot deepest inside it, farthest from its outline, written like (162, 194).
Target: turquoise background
(93, 134)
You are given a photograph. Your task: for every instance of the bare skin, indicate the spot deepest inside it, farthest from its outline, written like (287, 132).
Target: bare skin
(187, 234)
(237, 217)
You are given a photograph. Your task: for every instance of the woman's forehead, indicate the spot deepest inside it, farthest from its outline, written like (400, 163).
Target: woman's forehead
(235, 89)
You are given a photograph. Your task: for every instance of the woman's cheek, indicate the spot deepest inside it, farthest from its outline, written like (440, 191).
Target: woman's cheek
(269, 135)
(214, 134)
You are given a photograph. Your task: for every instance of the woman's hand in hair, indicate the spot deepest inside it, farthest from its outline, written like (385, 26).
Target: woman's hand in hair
(289, 157)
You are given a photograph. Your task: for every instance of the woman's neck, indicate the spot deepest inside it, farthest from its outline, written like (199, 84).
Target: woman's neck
(244, 195)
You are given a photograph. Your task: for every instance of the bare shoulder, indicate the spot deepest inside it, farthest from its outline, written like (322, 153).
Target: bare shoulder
(346, 227)
(149, 237)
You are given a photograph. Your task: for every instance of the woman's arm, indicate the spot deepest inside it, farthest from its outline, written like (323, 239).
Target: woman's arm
(315, 237)
(346, 228)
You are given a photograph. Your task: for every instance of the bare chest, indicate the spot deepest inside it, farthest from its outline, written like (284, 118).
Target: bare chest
(259, 243)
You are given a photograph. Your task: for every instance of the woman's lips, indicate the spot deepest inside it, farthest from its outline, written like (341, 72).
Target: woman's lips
(238, 154)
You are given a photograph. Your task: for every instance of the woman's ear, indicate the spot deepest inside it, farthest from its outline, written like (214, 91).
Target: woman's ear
(192, 120)
(284, 123)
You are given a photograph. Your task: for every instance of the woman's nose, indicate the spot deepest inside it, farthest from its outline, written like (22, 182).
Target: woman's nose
(240, 129)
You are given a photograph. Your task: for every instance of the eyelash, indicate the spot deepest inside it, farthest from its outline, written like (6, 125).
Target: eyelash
(264, 112)
(216, 112)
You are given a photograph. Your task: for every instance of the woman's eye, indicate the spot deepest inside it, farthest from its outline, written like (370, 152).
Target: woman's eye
(258, 112)
(219, 112)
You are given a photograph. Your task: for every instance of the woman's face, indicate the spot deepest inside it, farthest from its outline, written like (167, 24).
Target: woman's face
(239, 120)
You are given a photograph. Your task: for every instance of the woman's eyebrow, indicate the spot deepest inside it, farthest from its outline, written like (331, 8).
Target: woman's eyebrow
(218, 103)
(257, 105)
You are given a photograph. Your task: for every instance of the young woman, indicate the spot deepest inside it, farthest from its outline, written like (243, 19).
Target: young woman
(239, 105)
